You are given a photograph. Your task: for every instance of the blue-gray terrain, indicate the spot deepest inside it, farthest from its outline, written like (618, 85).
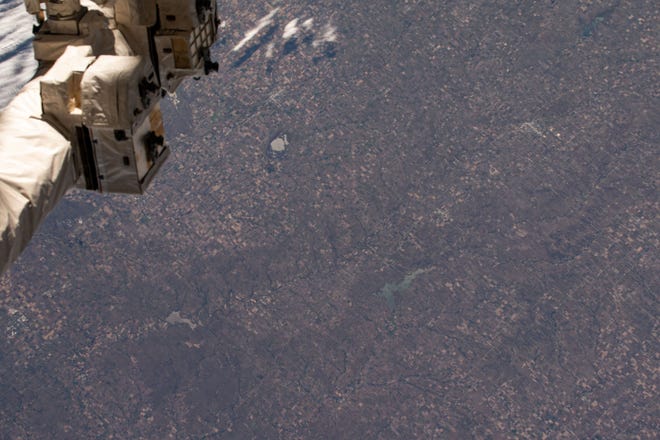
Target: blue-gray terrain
(382, 219)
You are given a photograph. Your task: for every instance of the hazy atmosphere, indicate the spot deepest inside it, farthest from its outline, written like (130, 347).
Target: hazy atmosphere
(381, 219)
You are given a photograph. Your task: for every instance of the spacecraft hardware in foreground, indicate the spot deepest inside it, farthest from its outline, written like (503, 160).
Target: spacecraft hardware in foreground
(91, 117)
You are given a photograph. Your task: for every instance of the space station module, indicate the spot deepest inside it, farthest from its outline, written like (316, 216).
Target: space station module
(91, 117)
(111, 64)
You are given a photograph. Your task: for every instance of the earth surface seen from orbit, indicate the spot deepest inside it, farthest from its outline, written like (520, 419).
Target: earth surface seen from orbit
(415, 219)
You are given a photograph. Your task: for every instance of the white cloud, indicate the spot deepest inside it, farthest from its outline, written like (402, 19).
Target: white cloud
(270, 50)
(261, 24)
(329, 35)
(308, 24)
(291, 29)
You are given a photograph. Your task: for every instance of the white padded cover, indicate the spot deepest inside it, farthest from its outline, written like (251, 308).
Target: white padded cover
(36, 170)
